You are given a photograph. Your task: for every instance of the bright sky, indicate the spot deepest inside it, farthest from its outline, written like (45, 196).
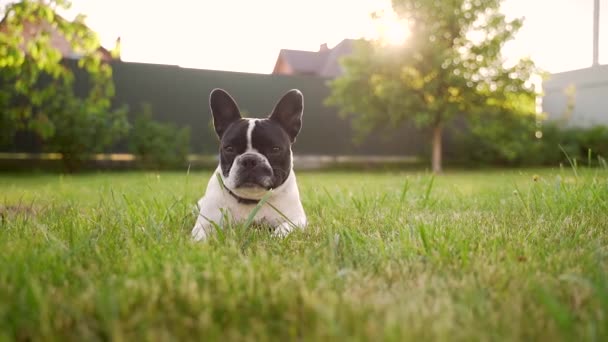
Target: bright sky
(246, 35)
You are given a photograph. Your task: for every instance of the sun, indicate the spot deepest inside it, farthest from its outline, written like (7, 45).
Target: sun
(396, 32)
(391, 30)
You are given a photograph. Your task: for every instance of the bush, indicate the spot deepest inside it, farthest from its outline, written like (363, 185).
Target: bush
(494, 140)
(158, 145)
(513, 141)
(82, 128)
(588, 145)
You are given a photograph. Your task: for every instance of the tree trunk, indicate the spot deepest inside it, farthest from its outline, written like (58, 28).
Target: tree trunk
(436, 158)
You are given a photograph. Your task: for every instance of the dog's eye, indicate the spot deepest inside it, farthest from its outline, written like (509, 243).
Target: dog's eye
(229, 149)
(276, 149)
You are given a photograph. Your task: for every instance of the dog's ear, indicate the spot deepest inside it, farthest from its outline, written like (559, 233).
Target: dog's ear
(224, 109)
(288, 113)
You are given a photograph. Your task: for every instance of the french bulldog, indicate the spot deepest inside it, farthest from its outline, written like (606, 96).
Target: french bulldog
(255, 158)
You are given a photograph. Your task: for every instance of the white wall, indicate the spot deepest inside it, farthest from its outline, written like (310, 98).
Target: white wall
(590, 96)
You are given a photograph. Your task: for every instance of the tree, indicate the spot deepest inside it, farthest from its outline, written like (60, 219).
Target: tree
(451, 65)
(36, 85)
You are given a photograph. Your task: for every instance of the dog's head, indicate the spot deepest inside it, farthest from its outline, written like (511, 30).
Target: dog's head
(255, 154)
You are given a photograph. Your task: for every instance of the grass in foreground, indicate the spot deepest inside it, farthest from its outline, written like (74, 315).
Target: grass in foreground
(395, 256)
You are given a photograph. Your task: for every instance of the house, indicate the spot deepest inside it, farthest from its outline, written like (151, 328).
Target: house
(322, 63)
(33, 28)
(578, 97)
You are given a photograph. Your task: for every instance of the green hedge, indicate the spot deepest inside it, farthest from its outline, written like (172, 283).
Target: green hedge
(158, 145)
(525, 142)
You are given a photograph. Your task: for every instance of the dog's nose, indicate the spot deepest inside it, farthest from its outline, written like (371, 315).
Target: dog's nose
(249, 162)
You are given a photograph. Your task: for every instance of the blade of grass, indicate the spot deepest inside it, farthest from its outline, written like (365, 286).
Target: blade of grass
(219, 179)
(256, 209)
(602, 162)
(282, 215)
(424, 238)
(329, 196)
(570, 160)
(404, 190)
(427, 193)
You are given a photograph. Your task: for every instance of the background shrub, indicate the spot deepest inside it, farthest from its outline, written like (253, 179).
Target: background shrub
(82, 127)
(522, 141)
(158, 145)
(594, 139)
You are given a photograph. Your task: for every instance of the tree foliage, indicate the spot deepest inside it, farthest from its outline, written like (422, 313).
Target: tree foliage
(37, 86)
(451, 65)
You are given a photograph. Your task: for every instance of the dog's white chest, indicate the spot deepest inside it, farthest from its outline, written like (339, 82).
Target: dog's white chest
(283, 209)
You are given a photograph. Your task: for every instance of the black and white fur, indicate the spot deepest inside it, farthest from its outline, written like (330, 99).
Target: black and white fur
(255, 157)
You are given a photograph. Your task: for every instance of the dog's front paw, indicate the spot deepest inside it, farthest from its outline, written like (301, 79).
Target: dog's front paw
(199, 233)
(282, 230)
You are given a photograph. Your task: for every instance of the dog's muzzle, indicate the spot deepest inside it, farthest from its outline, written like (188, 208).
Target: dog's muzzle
(254, 171)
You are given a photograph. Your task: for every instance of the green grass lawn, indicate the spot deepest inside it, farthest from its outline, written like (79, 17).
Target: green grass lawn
(496, 255)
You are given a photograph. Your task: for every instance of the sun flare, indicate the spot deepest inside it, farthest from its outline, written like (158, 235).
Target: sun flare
(396, 32)
(391, 30)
